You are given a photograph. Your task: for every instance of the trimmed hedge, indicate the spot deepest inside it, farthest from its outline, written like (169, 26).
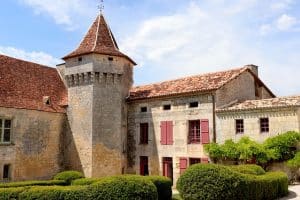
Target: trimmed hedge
(123, 188)
(114, 188)
(214, 182)
(163, 186)
(32, 183)
(85, 181)
(248, 169)
(68, 176)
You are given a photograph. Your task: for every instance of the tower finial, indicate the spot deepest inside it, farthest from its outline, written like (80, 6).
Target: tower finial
(101, 6)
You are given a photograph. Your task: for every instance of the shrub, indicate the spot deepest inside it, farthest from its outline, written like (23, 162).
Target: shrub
(163, 186)
(123, 188)
(213, 182)
(295, 162)
(32, 183)
(10, 193)
(284, 145)
(248, 169)
(68, 176)
(55, 193)
(85, 181)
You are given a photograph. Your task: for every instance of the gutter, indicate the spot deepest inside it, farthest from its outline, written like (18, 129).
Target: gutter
(214, 118)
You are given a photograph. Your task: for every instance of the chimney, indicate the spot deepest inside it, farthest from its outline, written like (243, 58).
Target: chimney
(253, 68)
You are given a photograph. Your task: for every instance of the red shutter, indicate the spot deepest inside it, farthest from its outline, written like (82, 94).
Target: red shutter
(163, 133)
(204, 160)
(170, 133)
(183, 162)
(204, 131)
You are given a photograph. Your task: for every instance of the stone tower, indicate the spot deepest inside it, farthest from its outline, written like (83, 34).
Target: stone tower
(99, 78)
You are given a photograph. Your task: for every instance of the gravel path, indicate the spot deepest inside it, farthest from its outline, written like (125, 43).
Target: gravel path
(294, 193)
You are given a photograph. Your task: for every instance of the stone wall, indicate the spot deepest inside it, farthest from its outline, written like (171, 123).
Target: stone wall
(36, 150)
(180, 114)
(280, 121)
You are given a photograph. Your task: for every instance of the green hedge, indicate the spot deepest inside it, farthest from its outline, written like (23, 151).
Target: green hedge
(85, 181)
(214, 182)
(68, 176)
(163, 186)
(248, 169)
(32, 183)
(114, 188)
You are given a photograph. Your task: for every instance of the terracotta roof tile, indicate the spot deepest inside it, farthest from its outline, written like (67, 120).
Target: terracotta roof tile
(264, 103)
(99, 39)
(199, 83)
(24, 84)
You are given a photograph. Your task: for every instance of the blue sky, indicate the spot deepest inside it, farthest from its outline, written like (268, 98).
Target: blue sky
(167, 38)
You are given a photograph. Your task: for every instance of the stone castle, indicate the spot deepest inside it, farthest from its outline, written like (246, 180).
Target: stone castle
(86, 115)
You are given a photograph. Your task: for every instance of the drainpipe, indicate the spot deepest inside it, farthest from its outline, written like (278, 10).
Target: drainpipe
(214, 117)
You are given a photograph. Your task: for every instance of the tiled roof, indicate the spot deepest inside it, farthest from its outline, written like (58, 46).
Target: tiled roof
(99, 39)
(279, 102)
(200, 83)
(24, 85)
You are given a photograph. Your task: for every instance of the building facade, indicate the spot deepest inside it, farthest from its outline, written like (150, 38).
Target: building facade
(86, 115)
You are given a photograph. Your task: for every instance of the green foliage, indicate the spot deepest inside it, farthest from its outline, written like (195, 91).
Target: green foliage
(68, 176)
(284, 145)
(214, 182)
(295, 162)
(123, 188)
(163, 186)
(85, 181)
(10, 193)
(280, 148)
(248, 169)
(32, 183)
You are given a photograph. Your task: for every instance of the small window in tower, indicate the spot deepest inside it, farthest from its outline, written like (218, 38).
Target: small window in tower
(46, 100)
(110, 58)
(143, 109)
(194, 104)
(80, 59)
(167, 107)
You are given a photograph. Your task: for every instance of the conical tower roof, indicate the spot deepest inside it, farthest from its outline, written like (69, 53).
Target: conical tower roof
(99, 39)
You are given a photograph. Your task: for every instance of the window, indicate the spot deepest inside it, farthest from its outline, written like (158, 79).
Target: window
(166, 132)
(110, 58)
(144, 133)
(239, 126)
(264, 125)
(194, 132)
(168, 167)
(194, 104)
(194, 161)
(167, 107)
(143, 109)
(144, 169)
(80, 59)
(6, 172)
(5, 129)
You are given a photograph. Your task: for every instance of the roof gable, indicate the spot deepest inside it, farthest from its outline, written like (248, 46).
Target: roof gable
(24, 85)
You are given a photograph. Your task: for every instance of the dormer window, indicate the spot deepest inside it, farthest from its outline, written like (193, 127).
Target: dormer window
(46, 100)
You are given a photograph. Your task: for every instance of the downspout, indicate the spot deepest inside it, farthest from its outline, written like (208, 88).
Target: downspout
(214, 117)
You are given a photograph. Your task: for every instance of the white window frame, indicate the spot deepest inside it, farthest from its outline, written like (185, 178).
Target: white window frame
(3, 129)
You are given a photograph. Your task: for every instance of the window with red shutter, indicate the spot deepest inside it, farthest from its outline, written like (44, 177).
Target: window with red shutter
(144, 133)
(183, 163)
(166, 131)
(194, 132)
(205, 131)
(144, 169)
(204, 160)
(194, 161)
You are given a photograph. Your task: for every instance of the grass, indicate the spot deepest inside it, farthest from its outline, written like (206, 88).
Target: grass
(176, 197)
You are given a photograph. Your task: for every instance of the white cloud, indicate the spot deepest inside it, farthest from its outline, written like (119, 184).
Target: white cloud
(197, 40)
(64, 12)
(285, 22)
(281, 5)
(37, 57)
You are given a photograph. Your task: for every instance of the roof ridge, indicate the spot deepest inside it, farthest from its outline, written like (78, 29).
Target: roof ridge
(191, 76)
(22, 60)
(97, 33)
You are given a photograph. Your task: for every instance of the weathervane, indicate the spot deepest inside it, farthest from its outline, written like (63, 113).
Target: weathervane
(101, 6)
